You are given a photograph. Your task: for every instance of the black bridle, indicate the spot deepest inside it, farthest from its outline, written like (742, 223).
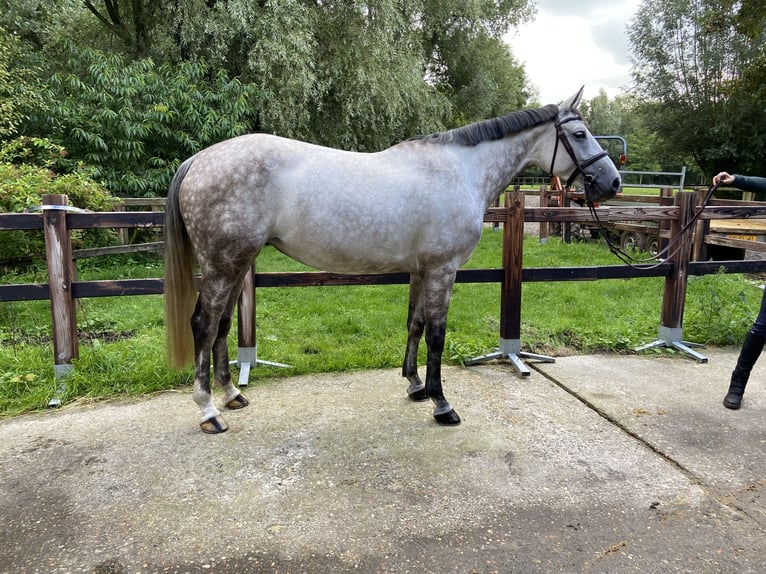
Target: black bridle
(580, 166)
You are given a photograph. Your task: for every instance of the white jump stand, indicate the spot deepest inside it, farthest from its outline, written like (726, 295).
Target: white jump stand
(511, 349)
(672, 338)
(247, 357)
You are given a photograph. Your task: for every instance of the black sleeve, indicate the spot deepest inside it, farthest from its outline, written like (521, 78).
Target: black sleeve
(750, 183)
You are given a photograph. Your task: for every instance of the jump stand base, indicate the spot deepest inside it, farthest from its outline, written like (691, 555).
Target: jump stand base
(247, 357)
(671, 338)
(510, 349)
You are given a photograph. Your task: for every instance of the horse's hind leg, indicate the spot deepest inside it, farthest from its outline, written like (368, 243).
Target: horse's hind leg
(233, 398)
(208, 326)
(415, 326)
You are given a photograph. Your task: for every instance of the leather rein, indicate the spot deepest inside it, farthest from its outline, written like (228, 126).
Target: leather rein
(588, 179)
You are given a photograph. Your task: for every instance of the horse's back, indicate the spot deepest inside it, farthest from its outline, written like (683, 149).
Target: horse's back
(331, 209)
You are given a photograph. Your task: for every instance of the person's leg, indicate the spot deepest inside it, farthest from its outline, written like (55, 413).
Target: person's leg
(748, 355)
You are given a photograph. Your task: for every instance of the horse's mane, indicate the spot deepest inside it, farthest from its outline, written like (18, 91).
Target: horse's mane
(492, 129)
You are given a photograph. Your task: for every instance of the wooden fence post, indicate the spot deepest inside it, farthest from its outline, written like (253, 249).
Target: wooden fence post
(510, 295)
(676, 282)
(544, 196)
(58, 252)
(674, 296)
(701, 229)
(513, 255)
(247, 354)
(247, 345)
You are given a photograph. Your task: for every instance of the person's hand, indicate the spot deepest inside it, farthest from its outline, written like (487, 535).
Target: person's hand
(723, 178)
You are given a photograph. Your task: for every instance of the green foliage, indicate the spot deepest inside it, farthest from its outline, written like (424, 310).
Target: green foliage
(604, 115)
(360, 75)
(699, 71)
(278, 52)
(370, 81)
(134, 121)
(642, 151)
(481, 77)
(346, 74)
(18, 92)
(721, 308)
(31, 151)
(22, 188)
(341, 74)
(467, 59)
(21, 385)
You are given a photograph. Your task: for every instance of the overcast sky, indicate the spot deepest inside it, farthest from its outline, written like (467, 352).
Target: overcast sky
(575, 43)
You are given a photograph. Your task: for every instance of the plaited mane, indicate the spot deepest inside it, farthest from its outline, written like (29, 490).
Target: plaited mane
(493, 129)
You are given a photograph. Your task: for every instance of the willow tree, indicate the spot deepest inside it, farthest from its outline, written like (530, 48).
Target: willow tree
(350, 73)
(354, 74)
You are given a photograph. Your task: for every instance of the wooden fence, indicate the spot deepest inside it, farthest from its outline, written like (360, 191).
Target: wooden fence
(62, 289)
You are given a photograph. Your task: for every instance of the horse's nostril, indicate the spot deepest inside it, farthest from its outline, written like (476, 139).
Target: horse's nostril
(616, 184)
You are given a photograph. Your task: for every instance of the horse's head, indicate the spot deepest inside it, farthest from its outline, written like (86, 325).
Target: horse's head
(584, 162)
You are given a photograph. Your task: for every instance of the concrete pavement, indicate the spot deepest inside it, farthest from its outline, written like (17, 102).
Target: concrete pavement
(602, 463)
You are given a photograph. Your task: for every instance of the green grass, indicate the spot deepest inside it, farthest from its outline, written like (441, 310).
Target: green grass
(323, 329)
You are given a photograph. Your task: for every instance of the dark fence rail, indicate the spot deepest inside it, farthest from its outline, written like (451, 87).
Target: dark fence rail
(62, 289)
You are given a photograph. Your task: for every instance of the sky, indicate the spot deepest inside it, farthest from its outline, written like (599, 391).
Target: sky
(572, 43)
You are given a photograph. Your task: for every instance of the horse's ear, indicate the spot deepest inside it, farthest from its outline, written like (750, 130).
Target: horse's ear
(573, 102)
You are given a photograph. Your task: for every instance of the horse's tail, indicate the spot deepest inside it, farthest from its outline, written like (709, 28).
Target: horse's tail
(180, 290)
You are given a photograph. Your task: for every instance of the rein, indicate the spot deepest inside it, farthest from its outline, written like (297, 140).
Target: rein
(675, 244)
(626, 258)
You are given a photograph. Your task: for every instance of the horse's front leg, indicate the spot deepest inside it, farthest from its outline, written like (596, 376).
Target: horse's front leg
(437, 291)
(415, 325)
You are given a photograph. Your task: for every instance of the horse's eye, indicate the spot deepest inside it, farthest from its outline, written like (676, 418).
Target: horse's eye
(580, 135)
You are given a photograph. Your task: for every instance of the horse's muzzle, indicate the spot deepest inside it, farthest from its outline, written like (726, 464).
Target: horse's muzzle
(595, 190)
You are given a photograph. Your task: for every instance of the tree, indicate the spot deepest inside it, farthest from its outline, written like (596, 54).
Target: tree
(604, 116)
(371, 90)
(467, 59)
(481, 77)
(127, 91)
(356, 74)
(369, 68)
(19, 93)
(699, 71)
(128, 20)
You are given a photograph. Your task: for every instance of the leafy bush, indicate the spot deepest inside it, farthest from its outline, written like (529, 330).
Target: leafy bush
(32, 151)
(133, 122)
(22, 188)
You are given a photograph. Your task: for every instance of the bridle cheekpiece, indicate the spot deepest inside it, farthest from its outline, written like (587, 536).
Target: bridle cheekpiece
(579, 165)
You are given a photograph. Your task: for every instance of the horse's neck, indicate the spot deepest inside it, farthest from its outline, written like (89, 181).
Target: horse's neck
(498, 162)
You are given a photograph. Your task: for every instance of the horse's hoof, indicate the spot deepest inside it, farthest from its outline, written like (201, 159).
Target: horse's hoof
(238, 402)
(449, 418)
(418, 396)
(215, 425)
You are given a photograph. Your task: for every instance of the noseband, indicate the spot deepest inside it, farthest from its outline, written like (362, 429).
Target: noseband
(579, 165)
